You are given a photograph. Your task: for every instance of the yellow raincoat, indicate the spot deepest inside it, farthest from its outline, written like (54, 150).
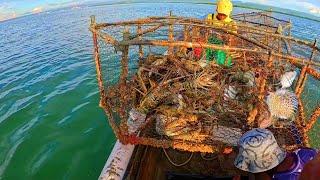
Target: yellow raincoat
(223, 7)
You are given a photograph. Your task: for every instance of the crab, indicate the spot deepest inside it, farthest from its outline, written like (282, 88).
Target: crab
(174, 123)
(191, 66)
(204, 80)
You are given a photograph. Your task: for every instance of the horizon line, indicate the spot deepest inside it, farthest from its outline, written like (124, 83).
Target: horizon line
(314, 17)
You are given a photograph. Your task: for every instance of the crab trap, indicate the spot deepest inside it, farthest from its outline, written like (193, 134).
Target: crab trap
(197, 86)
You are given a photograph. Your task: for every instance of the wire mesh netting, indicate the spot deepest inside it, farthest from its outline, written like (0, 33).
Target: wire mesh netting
(191, 85)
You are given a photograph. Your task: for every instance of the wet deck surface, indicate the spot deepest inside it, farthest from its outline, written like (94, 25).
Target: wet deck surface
(148, 163)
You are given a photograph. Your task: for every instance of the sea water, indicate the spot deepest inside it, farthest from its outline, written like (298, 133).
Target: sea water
(51, 126)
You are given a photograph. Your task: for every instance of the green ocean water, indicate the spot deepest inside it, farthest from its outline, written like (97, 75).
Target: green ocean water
(50, 124)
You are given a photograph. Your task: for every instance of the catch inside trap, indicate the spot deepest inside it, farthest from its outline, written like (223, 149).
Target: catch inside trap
(197, 86)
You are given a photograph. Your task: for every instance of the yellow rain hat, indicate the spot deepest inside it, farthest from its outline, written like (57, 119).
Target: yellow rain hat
(224, 7)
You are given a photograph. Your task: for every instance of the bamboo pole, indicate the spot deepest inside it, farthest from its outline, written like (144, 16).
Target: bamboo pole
(139, 31)
(176, 144)
(303, 79)
(97, 57)
(170, 35)
(260, 24)
(277, 19)
(290, 28)
(302, 113)
(288, 46)
(107, 38)
(261, 14)
(294, 60)
(257, 31)
(264, 80)
(300, 81)
(123, 84)
(288, 38)
(299, 89)
(303, 75)
(314, 117)
(125, 59)
(127, 23)
(185, 33)
(202, 22)
(306, 140)
(139, 34)
(109, 112)
(262, 91)
(185, 37)
(313, 72)
(300, 124)
(103, 99)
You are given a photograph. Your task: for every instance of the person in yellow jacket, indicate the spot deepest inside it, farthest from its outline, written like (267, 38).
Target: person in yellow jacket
(223, 12)
(222, 17)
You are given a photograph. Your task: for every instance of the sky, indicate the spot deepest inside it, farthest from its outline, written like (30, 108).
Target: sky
(14, 8)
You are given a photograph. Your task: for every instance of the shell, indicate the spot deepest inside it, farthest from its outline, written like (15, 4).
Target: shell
(288, 78)
(282, 104)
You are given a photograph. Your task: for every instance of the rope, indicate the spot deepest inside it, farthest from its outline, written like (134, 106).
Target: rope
(175, 164)
(208, 159)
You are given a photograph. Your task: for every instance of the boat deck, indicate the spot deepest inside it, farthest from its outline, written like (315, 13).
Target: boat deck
(151, 163)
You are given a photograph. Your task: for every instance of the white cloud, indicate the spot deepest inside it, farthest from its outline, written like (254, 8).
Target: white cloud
(315, 10)
(7, 16)
(299, 5)
(305, 6)
(311, 7)
(37, 10)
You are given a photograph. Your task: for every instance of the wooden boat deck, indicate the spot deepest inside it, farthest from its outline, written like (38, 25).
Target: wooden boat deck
(151, 163)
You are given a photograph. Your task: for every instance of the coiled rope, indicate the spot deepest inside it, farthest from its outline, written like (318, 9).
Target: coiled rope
(175, 164)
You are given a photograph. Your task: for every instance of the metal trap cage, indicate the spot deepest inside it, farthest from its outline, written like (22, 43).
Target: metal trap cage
(170, 90)
(265, 21)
